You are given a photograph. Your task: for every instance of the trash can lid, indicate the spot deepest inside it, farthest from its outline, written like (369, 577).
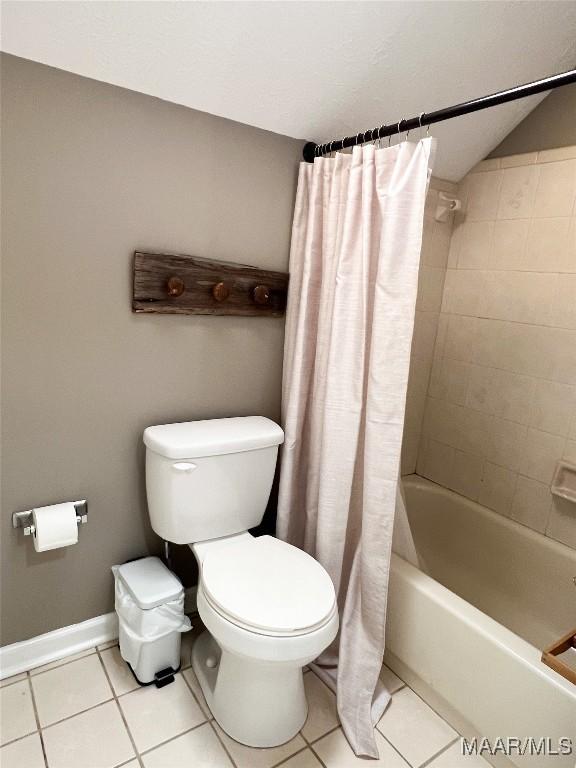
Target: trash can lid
(149, 582)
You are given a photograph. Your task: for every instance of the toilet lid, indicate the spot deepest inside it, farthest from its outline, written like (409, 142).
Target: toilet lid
(269, 585)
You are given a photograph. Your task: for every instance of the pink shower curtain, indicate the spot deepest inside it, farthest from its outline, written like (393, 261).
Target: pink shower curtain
(353, 279)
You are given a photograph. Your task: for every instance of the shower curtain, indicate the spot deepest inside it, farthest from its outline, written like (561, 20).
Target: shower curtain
(354, 260)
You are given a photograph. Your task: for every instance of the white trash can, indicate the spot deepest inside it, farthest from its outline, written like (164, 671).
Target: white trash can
(149, 602)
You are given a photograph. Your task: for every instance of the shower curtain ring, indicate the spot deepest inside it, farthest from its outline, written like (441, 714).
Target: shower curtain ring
(420, 123)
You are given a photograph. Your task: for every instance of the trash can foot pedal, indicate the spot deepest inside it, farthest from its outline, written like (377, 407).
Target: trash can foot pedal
(164, 677)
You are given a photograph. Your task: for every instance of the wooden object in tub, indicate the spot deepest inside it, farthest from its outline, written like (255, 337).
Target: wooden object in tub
(550, 656)
(170, 283)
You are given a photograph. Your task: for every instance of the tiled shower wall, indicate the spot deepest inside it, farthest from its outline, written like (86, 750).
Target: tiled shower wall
(501, 405)
(433, 261)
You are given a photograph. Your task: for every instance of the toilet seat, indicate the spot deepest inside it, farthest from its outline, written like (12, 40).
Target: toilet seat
(267, 586)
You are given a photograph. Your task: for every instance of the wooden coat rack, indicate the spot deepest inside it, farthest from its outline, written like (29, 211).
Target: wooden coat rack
(169, 283)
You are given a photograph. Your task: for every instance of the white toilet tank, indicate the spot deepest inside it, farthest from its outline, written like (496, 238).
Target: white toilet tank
(206, 479)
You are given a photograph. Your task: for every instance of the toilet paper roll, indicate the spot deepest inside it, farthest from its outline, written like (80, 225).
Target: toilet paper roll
(55, 526)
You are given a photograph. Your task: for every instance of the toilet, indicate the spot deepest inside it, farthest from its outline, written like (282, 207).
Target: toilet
(269, 608)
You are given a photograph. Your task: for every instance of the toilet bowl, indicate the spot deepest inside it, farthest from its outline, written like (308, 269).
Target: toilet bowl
(268, 607)
(269, 610)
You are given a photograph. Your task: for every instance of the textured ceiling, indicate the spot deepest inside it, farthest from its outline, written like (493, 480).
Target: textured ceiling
(312, 70)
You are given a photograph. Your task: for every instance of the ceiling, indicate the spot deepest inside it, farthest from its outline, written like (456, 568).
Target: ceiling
(312, 70)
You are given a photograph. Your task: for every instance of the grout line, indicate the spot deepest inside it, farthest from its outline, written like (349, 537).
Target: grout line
(14, 682)
(37, 718)
(286, 759)
(317, 756)
(395, 748)
(63, 663)
(119, 708)
(172, 738)
(335, 728)
(80, 712)
(221, 742)
(210, 717)
(440, 752)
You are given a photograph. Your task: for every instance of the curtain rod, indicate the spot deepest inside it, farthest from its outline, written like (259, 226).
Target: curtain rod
(312, 150)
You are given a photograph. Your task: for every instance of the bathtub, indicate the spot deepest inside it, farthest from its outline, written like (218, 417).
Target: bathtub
(466, 630)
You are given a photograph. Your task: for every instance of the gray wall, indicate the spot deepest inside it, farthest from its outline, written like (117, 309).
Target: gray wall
(552, 124)
(92, 172)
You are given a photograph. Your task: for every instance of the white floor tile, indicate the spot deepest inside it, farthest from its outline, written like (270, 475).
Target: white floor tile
(60, 662)
(13, 679)
(17, 712)
(251, 757)
(192, 681)
(121, 677)
(335, 752)
(414, 728)
(68, 690)
(94, 739)
(391, 681)
(453, 758)
(199, 748)
(322, 713)
(155, 714)
(305, 759)
(24, 753)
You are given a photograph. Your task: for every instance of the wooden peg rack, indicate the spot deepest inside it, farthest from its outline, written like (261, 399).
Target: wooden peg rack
(551, 656)
(169, 283)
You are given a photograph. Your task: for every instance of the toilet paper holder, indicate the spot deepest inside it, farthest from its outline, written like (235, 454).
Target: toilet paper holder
(25, 520)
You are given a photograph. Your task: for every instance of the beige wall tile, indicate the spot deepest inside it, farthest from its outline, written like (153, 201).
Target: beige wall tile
(556, 189)
(563, 310)
(483, 195)
(454, 425)
(540, 453)
(509, 246)
(430, 287)
(435, 243)
(552, 407)
(514, 396)
(521, 297)
(570, 451)
(466, 474)
(464, 290)
(441, 335)
(531, 504)
(568, 262)
(502, 387)
(437, 462)
(517, 193)
(527, 158)
(547, 244)
(423, 340)
(449, 380)
(460, 338)
(562, 355)
(505, 443)
(482, 389)
(497, 489)
(562, 522)
(475, 251)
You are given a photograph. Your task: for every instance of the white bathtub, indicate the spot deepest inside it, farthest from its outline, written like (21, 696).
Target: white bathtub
(468, 633)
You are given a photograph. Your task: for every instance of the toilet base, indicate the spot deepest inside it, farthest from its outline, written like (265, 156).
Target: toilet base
(257, 703)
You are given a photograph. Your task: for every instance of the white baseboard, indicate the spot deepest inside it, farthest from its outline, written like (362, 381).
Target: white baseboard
(42, 649)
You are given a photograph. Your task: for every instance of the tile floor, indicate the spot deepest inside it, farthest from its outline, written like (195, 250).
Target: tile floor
(87, 711)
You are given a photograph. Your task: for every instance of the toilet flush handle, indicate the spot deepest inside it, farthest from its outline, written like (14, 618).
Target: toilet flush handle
(183, 466)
